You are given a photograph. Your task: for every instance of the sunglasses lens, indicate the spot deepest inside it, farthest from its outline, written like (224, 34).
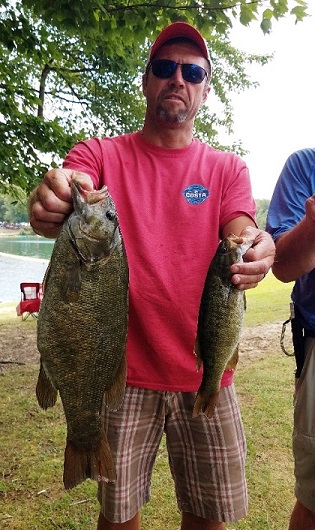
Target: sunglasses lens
(164, 69)
(193, 73)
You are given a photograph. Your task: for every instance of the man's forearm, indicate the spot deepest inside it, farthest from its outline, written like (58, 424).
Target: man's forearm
(295, 252)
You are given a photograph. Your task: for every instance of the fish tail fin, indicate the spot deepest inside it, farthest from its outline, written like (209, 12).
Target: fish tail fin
(114, 395)
(204, 404)
(96, 463)
(46, 393)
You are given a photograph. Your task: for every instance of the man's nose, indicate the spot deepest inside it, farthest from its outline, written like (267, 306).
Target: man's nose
(177, 76)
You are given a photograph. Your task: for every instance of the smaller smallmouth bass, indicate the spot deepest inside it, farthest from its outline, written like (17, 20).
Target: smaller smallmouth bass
(220, 321)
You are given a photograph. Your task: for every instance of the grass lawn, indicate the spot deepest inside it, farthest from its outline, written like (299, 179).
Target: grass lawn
(268, 302)
(32, 444)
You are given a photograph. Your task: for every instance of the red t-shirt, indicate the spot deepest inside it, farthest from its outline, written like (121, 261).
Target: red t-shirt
(172, 204)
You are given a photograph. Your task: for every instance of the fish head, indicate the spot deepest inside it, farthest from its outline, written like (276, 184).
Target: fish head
(230, 250)
(237, 246)
(93, 226)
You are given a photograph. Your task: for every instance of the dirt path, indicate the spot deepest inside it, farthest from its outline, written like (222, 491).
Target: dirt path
(260, 340)
(18, 343)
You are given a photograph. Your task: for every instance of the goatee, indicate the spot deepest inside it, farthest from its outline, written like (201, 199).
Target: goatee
(171, 116)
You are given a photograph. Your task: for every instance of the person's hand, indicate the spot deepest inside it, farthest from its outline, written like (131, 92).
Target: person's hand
(257, 260)
(51, 201)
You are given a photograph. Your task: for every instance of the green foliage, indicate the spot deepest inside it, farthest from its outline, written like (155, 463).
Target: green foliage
(262, 210)
(13, 208)
(71, 70)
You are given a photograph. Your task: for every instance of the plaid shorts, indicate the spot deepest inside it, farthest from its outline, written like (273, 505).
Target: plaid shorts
(207, 457)
(304, 430)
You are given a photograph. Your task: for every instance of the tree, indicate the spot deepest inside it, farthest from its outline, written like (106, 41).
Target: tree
(2, 208)
(11, 210)
(70, 70)
(262, 210)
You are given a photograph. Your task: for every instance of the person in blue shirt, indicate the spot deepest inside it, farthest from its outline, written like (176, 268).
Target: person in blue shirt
(291, 222)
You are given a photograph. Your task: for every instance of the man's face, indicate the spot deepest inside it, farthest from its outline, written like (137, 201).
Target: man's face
(174, 100)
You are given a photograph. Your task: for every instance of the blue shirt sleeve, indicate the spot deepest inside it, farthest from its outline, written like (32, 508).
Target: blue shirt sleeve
(287, 207)
(296, 183)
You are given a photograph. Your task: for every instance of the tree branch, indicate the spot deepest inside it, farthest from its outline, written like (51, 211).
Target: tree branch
(42, 83)
(148, 5)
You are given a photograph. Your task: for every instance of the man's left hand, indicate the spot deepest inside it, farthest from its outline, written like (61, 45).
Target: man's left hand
(257, 260)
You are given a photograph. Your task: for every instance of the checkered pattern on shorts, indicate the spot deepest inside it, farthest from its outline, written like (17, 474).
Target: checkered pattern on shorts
(207, 457)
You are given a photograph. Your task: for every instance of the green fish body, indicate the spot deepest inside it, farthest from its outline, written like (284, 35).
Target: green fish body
(220, 321)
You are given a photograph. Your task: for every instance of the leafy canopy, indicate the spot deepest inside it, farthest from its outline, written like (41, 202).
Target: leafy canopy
(71, 70)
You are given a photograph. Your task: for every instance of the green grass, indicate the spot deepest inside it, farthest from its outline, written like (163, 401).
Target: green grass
(268, 302)
(32, 444)
(265, 391)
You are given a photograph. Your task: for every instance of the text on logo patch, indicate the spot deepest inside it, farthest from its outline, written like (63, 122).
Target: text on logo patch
(196, 193)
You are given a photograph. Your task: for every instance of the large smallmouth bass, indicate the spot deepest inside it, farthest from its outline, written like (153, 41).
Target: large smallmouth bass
(82, 331)
(220, 321)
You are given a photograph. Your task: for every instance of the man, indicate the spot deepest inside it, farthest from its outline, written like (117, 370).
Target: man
(291, 221)
(175, 197)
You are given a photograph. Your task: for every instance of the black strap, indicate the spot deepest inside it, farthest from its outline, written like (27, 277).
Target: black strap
(298, 342)
(299, 334)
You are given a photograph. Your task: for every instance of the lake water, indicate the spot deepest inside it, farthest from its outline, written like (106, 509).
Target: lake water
(22, 259)
(28, 246)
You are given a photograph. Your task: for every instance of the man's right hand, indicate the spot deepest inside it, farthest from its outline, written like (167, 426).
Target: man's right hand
(51, 201)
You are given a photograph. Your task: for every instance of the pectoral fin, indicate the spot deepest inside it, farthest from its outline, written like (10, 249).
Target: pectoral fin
(197, 353)
(46, 393)
(232, 363)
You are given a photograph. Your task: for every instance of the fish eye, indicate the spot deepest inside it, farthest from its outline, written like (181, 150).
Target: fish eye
(110, 214)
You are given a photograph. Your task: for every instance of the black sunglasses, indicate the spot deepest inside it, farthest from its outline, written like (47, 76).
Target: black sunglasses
(164, 69)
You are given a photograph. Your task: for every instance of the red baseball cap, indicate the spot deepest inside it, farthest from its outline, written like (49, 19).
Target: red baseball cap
(180, 29)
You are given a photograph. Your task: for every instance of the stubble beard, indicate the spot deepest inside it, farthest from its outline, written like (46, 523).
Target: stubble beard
(170, 116)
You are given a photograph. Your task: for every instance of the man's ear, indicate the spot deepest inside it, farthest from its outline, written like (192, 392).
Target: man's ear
(144, 83)
(205, 93)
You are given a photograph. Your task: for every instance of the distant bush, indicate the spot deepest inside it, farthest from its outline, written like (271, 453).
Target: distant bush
(26, 232)
(13, 210)
(262, 210)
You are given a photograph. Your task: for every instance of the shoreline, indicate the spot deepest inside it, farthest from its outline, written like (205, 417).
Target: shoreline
(14, 270)
(8, 307)
(25, 258)
(8, 232)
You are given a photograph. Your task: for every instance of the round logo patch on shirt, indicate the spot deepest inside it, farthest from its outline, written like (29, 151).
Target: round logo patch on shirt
(196, 193)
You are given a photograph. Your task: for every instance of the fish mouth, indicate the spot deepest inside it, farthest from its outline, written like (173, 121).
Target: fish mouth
(90, 196)
(246, 245)
(243, 243)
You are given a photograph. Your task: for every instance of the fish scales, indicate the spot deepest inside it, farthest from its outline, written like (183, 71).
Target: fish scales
(82, 330)
(220, 321)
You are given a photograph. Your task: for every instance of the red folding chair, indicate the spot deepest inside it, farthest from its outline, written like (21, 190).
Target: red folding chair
(31, 297)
